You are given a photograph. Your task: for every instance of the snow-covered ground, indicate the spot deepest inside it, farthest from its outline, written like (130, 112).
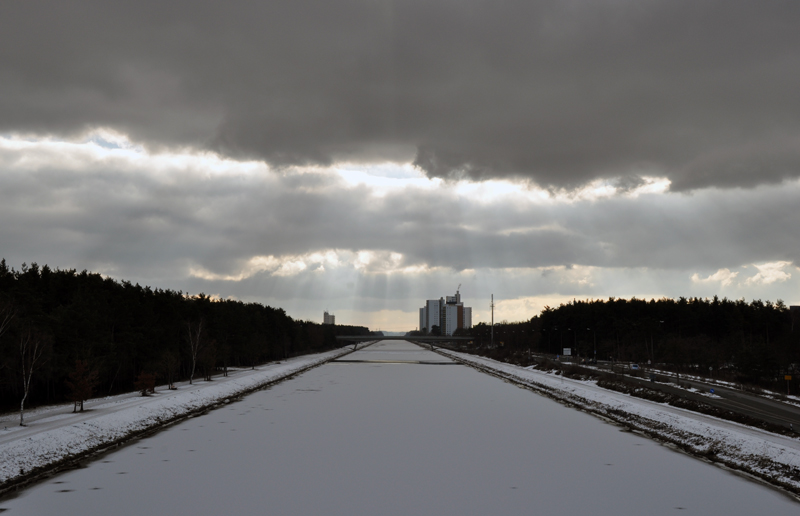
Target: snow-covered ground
(395, 430)
(55, 434)
(770, 457)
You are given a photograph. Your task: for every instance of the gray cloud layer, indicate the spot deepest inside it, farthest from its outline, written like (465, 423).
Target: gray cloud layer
(559, 92)
(124, 217)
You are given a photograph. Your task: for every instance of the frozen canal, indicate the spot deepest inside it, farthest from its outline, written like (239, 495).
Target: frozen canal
(384, 435)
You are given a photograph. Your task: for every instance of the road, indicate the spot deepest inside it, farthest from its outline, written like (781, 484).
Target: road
(757, 407)
(395, 429)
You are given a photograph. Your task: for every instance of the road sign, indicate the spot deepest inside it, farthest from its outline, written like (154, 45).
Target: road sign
(567, 352)
(787, 377)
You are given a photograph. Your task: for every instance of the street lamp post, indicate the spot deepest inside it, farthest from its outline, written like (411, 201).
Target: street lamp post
(574, 349)
(560, 341)
(575, 344)
(530, 346)
(549, 341)
(492, 338)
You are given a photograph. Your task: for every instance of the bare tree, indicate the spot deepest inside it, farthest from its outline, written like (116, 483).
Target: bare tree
(81, 383)
(7, 314)
(208, 359)
(145, 382)
(32, 344)
(194, 331)
(224, 353)
(169, 365)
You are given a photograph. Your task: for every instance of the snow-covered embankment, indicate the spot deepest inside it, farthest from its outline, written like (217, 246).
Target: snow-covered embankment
(56, 445)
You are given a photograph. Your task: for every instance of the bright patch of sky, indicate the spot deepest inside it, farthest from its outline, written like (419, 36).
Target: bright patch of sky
(105, 147)
(307, 238)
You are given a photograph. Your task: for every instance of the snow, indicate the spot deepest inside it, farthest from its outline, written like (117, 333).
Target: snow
(771, 457)
(396, 438)
(49, 439)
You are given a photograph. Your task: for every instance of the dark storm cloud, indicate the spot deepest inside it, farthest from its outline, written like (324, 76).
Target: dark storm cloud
(559, 92)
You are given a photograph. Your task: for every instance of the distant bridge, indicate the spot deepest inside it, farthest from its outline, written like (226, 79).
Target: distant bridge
(362, 338)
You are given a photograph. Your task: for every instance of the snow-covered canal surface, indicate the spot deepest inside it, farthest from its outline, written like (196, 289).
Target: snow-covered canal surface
(397, 437)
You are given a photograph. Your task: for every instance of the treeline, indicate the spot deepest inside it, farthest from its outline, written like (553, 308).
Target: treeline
(119, 336)
(757, 342)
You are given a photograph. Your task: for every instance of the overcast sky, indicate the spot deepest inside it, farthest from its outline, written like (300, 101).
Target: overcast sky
(363, 156)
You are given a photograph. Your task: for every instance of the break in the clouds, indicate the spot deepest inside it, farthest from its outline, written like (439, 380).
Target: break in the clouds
(370, 243)
(557, 92)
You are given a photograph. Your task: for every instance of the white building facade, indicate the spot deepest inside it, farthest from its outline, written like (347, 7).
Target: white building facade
(447, 313)
(429, 314)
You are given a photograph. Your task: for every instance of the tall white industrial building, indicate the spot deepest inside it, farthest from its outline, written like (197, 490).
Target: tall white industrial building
(328, 318)
(448, 313)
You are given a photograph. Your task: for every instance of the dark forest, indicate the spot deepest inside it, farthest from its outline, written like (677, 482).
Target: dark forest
(756, 342)
(63, 333)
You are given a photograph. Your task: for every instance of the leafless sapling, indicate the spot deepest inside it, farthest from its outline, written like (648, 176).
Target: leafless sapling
(208, 359)
(32, 344)
(81, 383)
(7, 314)
(195, 335)
(145, 382)
(169, 365)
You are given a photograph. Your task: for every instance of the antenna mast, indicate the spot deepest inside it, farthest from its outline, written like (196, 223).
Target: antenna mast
(492, 305)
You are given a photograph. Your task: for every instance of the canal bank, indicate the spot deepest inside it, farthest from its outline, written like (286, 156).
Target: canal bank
(63, 440)
(401, 431)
